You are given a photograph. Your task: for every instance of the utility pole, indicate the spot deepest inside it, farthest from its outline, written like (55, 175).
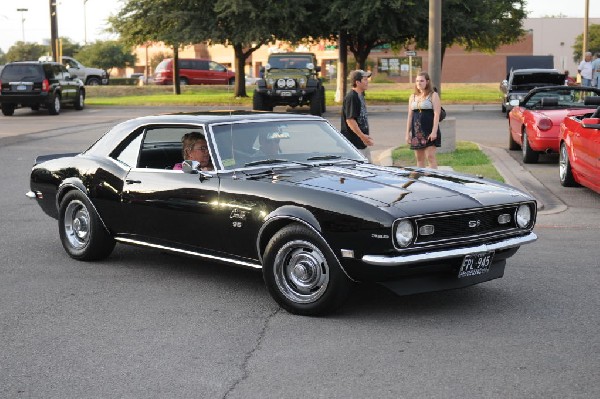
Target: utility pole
(585, 27)
(435, 44)
(22, 10)
(54, 31)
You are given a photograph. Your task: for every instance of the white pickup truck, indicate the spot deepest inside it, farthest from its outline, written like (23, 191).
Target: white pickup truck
(89, 76)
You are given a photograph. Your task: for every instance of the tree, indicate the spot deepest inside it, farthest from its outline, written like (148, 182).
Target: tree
(23, 51)
(106, 55)
(68, 48)
(363, 34)
(2, 57)
(248, 24)
(482, 25)
(593, 43)
(173, 22)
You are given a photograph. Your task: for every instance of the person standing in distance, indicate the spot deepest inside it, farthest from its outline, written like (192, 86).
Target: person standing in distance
(422, 127)
(355, 124)
(585, 69)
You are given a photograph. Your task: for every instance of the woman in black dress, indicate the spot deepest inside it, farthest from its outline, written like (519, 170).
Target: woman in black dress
(422, 128)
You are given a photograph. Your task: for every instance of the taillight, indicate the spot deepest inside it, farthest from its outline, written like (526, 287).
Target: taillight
(45, 85)
(545, 124)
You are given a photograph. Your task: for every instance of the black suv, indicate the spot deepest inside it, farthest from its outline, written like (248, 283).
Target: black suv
(38, 84)
(290, 79)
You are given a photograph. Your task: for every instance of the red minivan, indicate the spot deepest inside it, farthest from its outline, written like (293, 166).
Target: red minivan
(193, 71)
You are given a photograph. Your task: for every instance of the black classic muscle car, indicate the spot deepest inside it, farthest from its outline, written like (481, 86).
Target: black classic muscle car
(310, 212)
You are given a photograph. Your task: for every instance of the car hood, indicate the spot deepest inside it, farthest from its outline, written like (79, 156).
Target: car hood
(413, 190)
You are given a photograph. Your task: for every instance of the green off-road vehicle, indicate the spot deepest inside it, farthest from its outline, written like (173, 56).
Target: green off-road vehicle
(290, 79)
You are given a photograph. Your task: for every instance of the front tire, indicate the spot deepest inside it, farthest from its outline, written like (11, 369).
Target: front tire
(316, 103)
(93, 82)
(80, 100)
(54, 104)
(324, 106)
(302, 274)
(564, 168)
(259, 103)
(512, 144)
(81, 231)
(529, 155)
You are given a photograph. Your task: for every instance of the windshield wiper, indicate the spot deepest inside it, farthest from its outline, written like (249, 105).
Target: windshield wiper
(269, 161)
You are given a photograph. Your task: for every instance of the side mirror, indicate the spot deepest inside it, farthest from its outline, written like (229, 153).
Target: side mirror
(190, 166)
(591, 123)
(318, 69)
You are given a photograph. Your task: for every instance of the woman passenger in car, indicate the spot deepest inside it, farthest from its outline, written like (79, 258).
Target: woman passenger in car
(195, 148)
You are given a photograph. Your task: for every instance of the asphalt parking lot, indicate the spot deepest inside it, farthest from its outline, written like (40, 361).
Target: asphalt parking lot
(144, 324)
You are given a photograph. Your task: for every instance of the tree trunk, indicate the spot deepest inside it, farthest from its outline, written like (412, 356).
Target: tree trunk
(240, 76)
(176, 86)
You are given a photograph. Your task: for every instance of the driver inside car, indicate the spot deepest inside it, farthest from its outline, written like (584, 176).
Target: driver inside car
(195, 148)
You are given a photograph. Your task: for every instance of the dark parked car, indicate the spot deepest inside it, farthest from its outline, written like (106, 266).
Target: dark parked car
(518, 83)
(309, 210)
(38, 84)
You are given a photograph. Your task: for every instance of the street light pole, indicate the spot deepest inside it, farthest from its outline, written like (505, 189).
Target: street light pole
(84, 22)
(22, 10)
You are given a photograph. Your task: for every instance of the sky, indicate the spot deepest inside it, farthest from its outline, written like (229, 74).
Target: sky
(33, 25)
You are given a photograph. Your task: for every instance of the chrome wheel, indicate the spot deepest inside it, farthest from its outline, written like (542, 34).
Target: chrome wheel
(77, 224)
(301, 271)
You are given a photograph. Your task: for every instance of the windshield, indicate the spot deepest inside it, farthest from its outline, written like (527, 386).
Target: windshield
(257, 143)
(289, 62)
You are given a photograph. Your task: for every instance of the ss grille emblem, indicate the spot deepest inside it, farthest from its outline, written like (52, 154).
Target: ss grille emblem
(474, 223)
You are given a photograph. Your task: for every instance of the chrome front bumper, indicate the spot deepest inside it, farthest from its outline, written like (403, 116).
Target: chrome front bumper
(402, 260)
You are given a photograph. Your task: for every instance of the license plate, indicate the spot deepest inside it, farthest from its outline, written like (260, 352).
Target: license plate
(21, 88)
(286, 94)
(474, 265)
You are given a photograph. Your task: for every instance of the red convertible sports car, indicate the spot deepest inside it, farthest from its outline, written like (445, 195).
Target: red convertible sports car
(579, 161)
(534, 122)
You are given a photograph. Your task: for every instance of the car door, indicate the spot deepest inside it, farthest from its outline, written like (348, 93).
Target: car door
(585, 144)
(68, 88)
(169, 207)
(217, 73)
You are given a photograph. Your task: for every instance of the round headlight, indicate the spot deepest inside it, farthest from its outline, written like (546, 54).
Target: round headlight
(281, 83)
(523, 216)
(290, 83)
(404, 233)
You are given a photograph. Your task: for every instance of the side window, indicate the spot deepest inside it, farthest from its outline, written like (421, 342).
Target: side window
(161, 146)
(185, 64)
(203, 65)
(213, 66)
(57, 71)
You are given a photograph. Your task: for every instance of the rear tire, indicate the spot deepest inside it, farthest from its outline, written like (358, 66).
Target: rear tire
(564, 168)
(81, 232)
(183, 82)
(529, 155)
(302, 274)
(231, 82)
(8, 109)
